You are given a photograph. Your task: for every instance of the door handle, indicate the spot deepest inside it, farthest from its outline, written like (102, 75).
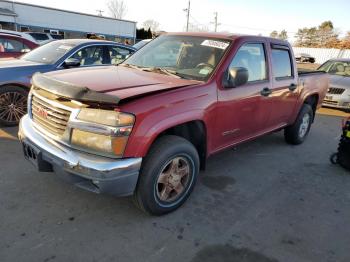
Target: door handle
(292, 87)
(266, 91)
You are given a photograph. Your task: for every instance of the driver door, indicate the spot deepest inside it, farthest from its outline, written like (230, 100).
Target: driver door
(241, 114)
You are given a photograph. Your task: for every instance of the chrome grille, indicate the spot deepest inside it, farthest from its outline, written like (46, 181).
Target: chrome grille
(48, 116)
(336, 91)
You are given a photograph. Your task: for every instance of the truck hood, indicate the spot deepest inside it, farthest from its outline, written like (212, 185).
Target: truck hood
(119, 81)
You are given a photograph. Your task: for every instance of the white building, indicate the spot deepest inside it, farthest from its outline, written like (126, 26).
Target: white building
(27, 17)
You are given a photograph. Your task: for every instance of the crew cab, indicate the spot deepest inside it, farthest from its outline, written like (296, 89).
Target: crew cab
(148, 125)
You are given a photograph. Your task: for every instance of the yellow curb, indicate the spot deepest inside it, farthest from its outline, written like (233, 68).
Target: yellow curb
(4, 134)
(332, 112)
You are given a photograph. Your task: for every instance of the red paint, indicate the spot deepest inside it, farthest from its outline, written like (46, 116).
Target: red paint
(160, 102)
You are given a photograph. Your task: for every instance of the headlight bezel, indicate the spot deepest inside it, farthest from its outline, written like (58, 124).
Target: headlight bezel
(97, 128)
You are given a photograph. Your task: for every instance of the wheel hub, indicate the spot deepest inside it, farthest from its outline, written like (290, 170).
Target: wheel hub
(173, 179)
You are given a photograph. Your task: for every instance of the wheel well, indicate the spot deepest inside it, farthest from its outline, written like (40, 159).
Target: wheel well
(26, 88)
(313, 102)
(194, 132)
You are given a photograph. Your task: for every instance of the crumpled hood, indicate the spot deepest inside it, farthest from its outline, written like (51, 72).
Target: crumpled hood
(119, 81)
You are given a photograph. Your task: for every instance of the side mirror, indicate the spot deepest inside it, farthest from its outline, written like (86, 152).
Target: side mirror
(236, 76)
(71, 62)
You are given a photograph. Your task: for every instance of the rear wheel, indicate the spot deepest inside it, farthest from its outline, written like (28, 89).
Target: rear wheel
(297, 133)
(13, 105)
(168, 175)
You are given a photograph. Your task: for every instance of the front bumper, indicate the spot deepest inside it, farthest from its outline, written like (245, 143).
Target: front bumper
(90, 172)
(337, 101)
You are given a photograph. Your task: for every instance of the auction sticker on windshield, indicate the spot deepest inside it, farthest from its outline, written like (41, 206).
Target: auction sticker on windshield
(215, 44)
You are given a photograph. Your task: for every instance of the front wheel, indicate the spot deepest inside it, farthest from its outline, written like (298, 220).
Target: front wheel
(297, 133)
(167, 176)
(13, 105)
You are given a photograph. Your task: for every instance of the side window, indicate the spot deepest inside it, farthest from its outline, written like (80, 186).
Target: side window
(118, 54)
(11, 45)
(252, 57)
(2, 47)
(281, 63)
(92, 55)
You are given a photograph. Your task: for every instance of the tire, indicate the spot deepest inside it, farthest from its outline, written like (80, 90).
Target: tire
(297, 133)
(13, 105)
(167, 152)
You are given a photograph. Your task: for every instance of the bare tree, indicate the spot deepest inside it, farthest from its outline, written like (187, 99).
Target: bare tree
(117, 8)
(152, 24)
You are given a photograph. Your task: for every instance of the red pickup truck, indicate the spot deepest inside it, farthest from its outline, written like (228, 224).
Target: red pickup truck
(147, 126)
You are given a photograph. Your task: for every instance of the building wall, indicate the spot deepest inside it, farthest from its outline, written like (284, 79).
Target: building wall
(48, 18)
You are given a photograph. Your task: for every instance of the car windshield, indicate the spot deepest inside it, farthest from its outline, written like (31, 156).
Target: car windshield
(141, 44)
(341, 68)
(189, 57)
(49, 53)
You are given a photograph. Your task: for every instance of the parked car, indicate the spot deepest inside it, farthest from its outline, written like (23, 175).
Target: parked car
(146, 127)
(36, 37)
(338, 95)
(15, 75)
(12, 46)
(304, 58)
(142, 43)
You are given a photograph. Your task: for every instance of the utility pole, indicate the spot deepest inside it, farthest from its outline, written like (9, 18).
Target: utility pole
(187, 10)
(99, 12)
(216, 21)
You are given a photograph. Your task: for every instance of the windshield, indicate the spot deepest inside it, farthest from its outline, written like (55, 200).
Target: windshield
(341, 68)
(141, 43)
(185, 56)
(49, 53)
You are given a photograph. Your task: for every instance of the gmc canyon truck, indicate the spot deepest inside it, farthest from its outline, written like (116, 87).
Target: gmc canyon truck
(147, 126)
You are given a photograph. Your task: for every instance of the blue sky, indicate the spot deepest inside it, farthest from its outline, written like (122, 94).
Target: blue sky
(248, 17)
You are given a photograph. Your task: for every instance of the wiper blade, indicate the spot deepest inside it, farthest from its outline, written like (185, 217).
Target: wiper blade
(133, 66)
(162, 70)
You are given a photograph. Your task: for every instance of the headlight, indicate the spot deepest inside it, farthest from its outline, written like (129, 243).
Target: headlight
(106, 117)
(108, 137)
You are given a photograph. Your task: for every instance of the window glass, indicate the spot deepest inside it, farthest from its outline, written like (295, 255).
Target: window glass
(341, 68)
(39, 36)
(251, 57)
(10, 45)
(49, 53)
(281, 63)
(190, 57)
(92, 55)
(118, 54)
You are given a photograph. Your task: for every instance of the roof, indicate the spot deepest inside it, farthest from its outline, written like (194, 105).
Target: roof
(8, 12)
(229, 36)
(67, 11)
(91, 41)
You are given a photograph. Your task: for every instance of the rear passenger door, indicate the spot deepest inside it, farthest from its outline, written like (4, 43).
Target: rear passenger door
(284, 93)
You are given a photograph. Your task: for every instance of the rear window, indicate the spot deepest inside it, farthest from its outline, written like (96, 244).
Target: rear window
(281, 63)
(39, 36)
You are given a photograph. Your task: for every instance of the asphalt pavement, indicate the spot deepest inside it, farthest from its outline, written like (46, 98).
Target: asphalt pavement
(263, 201)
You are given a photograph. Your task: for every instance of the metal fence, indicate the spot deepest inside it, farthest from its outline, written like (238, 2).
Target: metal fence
(321, 55)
